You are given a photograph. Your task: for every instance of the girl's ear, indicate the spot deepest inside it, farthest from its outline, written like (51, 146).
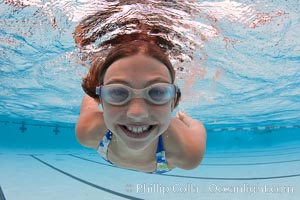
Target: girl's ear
(176, 99)
(173, 103)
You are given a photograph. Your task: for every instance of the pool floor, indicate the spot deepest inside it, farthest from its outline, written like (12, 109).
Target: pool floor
(78, 174)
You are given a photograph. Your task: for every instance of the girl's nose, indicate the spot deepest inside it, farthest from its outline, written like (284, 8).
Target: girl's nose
(137, 109)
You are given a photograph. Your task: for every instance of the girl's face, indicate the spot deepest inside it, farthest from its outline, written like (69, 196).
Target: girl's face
(138, 72)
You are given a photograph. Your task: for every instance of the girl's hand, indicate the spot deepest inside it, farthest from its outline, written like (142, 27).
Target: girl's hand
(187, 141)
(187, 120)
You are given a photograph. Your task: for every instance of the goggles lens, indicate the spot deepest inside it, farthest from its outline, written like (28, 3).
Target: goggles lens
(118, 94)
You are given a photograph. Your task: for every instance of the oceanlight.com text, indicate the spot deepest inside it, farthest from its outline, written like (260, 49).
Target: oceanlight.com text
(251, 189)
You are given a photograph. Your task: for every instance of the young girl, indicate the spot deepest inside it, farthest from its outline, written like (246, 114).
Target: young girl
(135, 86)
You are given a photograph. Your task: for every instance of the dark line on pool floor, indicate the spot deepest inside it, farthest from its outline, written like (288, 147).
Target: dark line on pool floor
(90, 160)
(2, 197)
(100, 163)
(245, 164)
(197, 177)
(208, 164)
(253, 156)
(86, 182)
(232, 179)
(210, 152)
(28, 154)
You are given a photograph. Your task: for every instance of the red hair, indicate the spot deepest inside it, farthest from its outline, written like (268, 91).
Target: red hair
(125, 46)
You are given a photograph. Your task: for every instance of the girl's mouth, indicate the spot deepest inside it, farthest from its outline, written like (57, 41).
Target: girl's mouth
(137, 131)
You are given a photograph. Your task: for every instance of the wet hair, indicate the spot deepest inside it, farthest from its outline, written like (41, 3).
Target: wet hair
(125, 46)
(141, 44)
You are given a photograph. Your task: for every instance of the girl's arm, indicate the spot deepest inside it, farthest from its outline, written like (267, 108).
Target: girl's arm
(186, 141)
(90, 126)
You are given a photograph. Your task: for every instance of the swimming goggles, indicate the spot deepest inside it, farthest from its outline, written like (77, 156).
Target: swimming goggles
(119, 94)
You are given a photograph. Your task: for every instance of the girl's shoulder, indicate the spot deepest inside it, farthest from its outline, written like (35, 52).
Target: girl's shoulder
(184, 145)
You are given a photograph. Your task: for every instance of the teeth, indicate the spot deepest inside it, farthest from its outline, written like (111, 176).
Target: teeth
(137, 130)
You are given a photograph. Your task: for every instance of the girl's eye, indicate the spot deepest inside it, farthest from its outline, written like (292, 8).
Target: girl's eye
(119, 94)
(158, 93)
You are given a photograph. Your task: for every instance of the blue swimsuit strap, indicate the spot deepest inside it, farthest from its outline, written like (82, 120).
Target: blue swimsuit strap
(160, 146)
(161, 162)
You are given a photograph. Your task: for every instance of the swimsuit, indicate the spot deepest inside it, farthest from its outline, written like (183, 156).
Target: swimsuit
(161, 162)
